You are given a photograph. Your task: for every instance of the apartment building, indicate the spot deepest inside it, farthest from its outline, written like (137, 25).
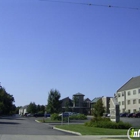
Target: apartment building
(128, 96)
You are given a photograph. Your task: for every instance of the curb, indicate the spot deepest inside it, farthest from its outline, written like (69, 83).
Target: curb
(72, 132)
(37, 121)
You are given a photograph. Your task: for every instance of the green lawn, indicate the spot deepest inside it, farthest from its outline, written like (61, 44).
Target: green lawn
(48, 120)
(84, 130)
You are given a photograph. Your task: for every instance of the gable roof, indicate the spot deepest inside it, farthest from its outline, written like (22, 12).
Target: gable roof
(134, 82)
(87, 100)
(66, 98)
(78, 94)
(96, 99)
(24, 107)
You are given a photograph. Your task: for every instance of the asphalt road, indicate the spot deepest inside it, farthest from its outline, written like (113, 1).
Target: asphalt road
(26, 126)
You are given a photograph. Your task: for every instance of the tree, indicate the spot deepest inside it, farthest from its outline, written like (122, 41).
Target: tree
(67, 106)
(75, 100)
(32, 108)
(17, 109)
(98, 108)
(6, 102)
(54, 104)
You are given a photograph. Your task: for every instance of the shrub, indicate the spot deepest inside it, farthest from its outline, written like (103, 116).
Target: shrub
(78, 117)
(113, 125)
(106, 123)
(55, 116)
(97, 119)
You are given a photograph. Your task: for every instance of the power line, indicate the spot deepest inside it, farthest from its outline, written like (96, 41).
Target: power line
(91, 4)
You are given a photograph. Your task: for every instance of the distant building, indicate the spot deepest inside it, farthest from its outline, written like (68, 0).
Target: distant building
(80, 105)
(128, 95)
(23, 110)
(76, 104)
(66, 104)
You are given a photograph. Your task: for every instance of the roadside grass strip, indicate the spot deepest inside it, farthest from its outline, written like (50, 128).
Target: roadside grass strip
(85, 130)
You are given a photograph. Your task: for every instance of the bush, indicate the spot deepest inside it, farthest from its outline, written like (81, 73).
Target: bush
(113, 125)
(55, 116)
(78, 117)
(41, 112)
(106, 123)
(97, 119)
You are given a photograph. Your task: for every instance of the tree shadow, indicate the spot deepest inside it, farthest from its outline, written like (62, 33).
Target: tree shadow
(7, 118)
(12, 123)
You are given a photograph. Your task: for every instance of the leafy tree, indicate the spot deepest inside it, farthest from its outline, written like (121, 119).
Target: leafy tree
(67, 106)
(98, 108)
(54, 104)
(75, 100)
(17, 109)
(32, 108)
(38, 108)
(42, 108)
(6, 102)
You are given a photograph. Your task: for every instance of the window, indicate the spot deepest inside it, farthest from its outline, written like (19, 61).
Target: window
(128, 102)
(139, 101)
(138, 90)
(134, 92)
(122, 94)
(128, 93)
(134, 110)
(134, 101)
(122, 102)
(119, 103)
(118, 94)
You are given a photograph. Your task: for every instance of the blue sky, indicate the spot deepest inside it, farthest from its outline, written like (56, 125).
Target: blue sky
(73, 48)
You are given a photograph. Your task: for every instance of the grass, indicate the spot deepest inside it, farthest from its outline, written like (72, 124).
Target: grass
(48, 120)
(85, 130)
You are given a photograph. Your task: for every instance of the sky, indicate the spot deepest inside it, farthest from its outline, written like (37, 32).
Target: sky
(70, 47)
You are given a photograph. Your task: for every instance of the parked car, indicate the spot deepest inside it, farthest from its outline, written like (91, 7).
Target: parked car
(25, 114)
(29, 115)
(123, 114)
(136, 115)
(47, 115)
(130, 115)
(108, 115)
(38, 115)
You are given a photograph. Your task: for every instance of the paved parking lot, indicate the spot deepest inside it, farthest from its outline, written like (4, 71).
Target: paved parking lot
(135, 122)
(26, 126)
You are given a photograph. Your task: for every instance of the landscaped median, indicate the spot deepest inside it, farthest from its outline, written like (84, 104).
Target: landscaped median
(85, 130)
(98, 126)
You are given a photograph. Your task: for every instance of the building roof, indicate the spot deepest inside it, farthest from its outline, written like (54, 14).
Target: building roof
(24, 107)
(87, 99)
(66, 98)
(134, 82)
(78, 94)
(96, 99)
